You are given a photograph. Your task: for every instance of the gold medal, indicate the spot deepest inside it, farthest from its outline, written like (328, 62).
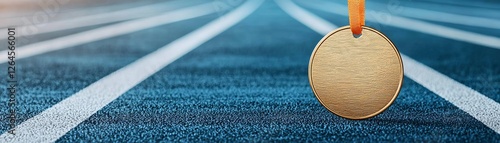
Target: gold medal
(356, 78)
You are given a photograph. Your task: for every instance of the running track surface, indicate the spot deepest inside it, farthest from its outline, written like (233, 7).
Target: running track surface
(237, 71)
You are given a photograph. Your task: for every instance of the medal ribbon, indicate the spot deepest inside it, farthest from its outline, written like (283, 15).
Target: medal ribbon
(356, 15)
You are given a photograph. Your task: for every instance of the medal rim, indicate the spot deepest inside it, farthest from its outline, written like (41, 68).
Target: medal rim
(401, 77)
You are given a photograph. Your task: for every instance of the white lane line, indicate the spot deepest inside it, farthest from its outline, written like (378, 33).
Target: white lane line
(56, 121)
(416, 25)
(459, 9)
(306, 17)
(474, 103)
(15, 17)
(445, 17)
(90, 20)
(109, 31)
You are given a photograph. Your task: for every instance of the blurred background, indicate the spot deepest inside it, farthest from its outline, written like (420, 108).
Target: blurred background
(236, 70)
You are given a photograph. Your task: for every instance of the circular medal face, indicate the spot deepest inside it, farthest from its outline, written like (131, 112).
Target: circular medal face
(356, 78)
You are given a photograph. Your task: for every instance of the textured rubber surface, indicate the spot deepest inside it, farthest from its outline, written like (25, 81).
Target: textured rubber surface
(250, 84)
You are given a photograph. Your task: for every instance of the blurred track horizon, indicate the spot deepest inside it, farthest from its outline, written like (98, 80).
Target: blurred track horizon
(236, 71)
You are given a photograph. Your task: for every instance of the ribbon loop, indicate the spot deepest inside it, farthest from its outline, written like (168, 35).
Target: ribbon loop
(356, 15)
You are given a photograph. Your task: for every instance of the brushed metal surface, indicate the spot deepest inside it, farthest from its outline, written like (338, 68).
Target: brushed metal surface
(356, 78)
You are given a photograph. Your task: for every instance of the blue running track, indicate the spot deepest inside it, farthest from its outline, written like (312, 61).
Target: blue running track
(250, 82)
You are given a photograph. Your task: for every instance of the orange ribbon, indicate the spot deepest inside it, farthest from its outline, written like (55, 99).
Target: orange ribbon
(356, 15)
